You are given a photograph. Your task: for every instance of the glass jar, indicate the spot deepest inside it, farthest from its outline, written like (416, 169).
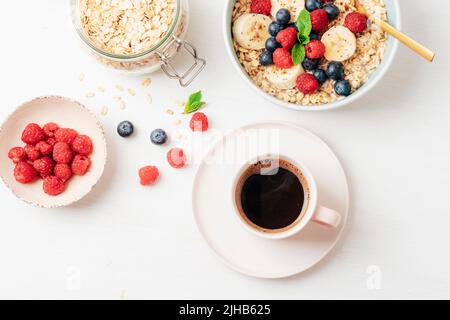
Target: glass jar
(164, 22)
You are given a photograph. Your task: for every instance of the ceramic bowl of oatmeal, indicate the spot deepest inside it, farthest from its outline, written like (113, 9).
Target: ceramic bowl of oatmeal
(310, 58)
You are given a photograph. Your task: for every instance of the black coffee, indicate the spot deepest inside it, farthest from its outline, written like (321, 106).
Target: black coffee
(272, 200)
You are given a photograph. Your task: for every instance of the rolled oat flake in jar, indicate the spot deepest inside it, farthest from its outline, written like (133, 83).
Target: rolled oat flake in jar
(138, 36)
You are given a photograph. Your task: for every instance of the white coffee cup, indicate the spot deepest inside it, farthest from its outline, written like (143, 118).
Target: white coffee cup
(311, 211)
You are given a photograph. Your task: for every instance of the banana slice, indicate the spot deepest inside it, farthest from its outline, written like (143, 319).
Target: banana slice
(283, 78)
(251, 30)
(340, 43)
(294, 7)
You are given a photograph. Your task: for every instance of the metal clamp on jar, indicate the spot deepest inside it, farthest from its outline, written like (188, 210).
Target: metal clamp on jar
(137, 37)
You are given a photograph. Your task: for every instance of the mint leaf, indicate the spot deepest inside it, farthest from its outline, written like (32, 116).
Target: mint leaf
(304, 23)
(298, 53)
(194, 102)
(303, 39)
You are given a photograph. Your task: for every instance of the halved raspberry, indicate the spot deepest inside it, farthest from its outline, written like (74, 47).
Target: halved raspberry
(53, 186)
(44, 166)
(32, 152)
(82, 145)
(65, 135)
(25, 173)
(63, 171)
(17, 154)
(199, 122)
(62, 153)
(80, 165)
(148, 175)
(44, 148)
(176, 158)
(50, 129)
(32, 134)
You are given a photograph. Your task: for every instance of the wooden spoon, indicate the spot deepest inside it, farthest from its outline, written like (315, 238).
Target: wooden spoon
(409, 42)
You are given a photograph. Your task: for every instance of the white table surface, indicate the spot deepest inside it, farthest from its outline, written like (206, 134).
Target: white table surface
(125, 241)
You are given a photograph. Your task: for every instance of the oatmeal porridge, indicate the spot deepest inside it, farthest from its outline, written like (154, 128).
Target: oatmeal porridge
(308, 55)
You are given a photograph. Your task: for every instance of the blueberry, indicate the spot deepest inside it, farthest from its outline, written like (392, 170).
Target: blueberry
(314, 36)
(266, 58)
(158, 136)
(320, 75)
(272, 44)
(335, 70)
(125, 129)
(274, 28)
(312, 5)
(343, 88)
(283, 17)
(332, 10)
(310, 64)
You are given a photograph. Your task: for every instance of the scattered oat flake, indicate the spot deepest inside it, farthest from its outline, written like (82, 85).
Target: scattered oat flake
(90, 95)
(117, 98)
(149, 98)
(132, 92)
(146, 82)
(170, 112)
(122, 105)
(104, 111)
(81, 77)
(177, 122)
(120, 87)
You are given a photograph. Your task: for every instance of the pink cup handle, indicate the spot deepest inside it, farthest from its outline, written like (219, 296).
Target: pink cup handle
(327, 217)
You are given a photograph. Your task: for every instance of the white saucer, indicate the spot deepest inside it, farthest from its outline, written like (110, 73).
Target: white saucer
(238, 248)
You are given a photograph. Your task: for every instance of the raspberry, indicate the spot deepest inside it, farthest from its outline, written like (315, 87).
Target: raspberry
(50, 129)
(44, 148)
(307, 83)
(82, 145)
(199, 122)
(53, 186)
(51, 141)
(44, 166)
(63, 172)
(176, 158)
(62, 153)
(148, 175)
(32, 152)
(282, 58)
(315, 49)
(80, 165)
(261, 6)
(287, 38)
(319, 20)
(17, 154)
(356, 22)
(65, 135)
(32, 134)
(24, 172)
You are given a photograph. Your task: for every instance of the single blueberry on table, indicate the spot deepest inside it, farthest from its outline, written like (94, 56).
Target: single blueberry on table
(158, 136)
(283, 16)
(272, 44)
(335, 70)
(125, 129)
(266, 58)
(343, 88)
(310, 64)
(320, 75)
